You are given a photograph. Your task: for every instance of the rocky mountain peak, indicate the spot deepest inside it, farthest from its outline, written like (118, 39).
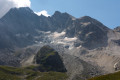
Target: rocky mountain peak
(85, 18)
(57, 13)
(27, 9)
(89, 31)
(18, 11)
(90, 22)
(65, 15)
(22, 9)
(117, 29)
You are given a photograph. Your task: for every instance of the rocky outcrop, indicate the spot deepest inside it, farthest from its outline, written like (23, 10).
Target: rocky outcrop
(49, 60)
(117, 66)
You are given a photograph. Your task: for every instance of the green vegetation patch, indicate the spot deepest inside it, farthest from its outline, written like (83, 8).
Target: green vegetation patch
(10, 73)
(28, 73)
(113, 76)
(53, 76)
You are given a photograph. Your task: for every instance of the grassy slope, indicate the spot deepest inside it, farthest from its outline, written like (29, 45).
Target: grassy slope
(113, 76)
(12, 73)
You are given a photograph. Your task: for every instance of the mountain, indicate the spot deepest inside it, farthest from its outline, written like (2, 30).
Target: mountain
(86, 47)
(23, 23)
(17, 24)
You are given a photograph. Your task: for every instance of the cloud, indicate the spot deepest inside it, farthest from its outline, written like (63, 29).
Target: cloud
(21, 3)
(6, 5)
(43, 12)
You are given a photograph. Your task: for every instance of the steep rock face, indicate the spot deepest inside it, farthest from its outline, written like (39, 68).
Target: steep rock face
(49, 60)
(18, 26)
(90, 32)
(117, 29)
(57, 22)
(20, 20)
(24, 20)
(61, 20)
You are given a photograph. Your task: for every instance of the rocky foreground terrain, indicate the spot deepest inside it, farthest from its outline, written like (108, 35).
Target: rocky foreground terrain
(87, 47)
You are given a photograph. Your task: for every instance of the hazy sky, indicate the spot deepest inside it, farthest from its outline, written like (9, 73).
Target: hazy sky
(6, 5)
(106, 11)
